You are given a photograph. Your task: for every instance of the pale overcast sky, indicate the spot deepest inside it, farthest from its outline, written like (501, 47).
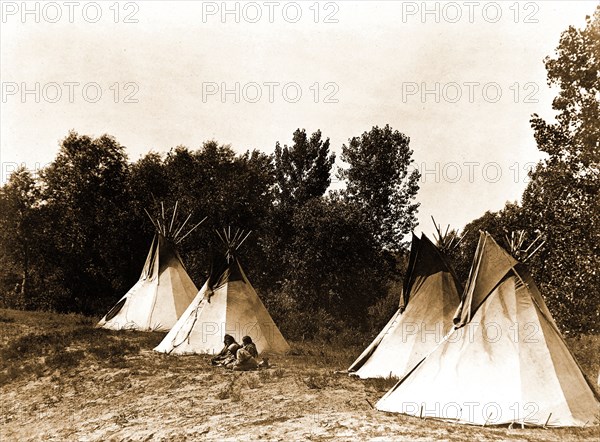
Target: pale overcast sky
(461, 79)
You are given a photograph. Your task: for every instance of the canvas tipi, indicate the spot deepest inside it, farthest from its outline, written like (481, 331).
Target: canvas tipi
(504, 361)
(428, 302)
(164, 289)
(226, 304)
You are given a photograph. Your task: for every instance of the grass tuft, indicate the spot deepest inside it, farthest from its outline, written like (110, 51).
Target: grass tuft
(252, 382)
(264, 376)
(230, 391)
(381, 384)
(315, 380)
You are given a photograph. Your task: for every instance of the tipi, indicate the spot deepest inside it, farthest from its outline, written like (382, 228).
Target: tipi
(226, 304)
(504, 361)
(164, 289)
(424, 316)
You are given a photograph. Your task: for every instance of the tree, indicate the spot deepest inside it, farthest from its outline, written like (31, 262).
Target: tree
(563, 196)
(149, 182)
(302, 173)
(335, 268)
(379, 181)
(302, 170)
(18, 224)
(86, 213)
(214, 182)
(575, 138)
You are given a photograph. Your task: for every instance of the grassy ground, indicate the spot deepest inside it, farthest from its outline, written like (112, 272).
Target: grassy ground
(61, 379)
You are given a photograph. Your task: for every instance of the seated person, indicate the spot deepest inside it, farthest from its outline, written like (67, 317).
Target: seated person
(243, 361)
(227, 340)
(230, 357)
(249, 346)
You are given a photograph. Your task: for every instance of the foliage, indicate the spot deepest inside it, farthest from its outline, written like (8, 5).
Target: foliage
(562, 199)
(382, 384)
(303, 169)
(19, 224)
(379, 182)
(74, 239)
(563, 196)
(84, 207)
(345, 272)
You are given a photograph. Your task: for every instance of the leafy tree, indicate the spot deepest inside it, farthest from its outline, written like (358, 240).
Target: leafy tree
(302, 173)
(149, 182)
(335, 263)
(563, 196)
(303, 169)
(18, 231)
(378, 181)
(148, 186)
(230, 190)
(86, 207)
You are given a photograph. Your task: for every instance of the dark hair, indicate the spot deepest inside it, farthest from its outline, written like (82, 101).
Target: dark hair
(228, 338)
(247, 340)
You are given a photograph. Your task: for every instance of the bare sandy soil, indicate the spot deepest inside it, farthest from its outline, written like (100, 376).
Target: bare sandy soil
(148, 396)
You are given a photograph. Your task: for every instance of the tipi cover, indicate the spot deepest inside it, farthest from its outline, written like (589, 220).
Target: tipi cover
(226, 304)
(163, 291)
(505, 361)
(424, 317)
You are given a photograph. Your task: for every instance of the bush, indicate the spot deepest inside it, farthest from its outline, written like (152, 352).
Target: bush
(65, 360)
(34, 345)
(5, 318)
(113, 352)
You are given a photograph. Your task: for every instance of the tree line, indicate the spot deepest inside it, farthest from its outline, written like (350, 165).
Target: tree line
(75, 238)
(324, 261)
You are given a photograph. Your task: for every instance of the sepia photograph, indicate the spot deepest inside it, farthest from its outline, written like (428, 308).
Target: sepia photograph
(299, 220)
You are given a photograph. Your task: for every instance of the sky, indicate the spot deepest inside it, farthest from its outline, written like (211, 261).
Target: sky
(461, 79)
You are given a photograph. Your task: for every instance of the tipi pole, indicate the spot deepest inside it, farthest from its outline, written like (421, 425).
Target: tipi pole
(173, 218)
(151, 220)
(182, 226)
(191, 230)
(242, 241)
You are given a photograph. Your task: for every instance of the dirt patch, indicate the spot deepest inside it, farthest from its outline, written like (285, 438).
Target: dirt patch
(149, 396)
